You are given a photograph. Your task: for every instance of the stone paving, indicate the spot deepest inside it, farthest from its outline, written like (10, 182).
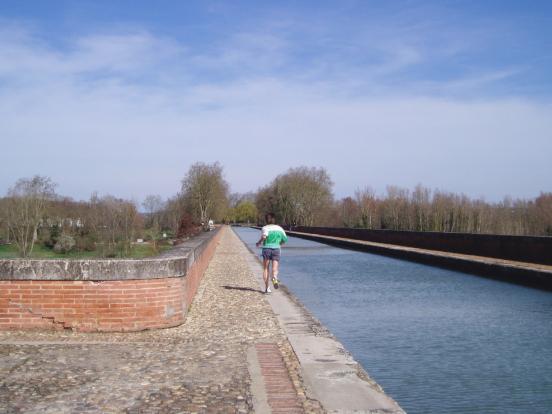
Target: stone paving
(199, 367)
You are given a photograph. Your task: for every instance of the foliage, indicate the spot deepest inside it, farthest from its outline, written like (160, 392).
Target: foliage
(426, 210)
(85, 239)
(187, 227)
(116, 223)
(205, 192)
(64, 244)
(243, 212)
(169, 217)
(9, 251)
(48, 235)
(301, 196)
(146, 250)
(37, 221)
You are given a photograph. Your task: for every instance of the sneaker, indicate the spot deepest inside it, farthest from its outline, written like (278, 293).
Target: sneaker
(268, 290)
(275, 283)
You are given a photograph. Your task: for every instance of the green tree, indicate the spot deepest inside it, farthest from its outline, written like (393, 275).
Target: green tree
(245, 212)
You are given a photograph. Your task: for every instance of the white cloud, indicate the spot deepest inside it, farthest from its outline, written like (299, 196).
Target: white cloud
(132, 137)
(24, 57)
(245, 53)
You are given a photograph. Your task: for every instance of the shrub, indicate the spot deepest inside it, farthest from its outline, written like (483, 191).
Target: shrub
(187, 227)
(123, 248)
(48, 235)
(85, 241)
(64, 244)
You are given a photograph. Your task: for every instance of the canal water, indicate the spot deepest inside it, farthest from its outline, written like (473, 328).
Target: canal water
(437, 341)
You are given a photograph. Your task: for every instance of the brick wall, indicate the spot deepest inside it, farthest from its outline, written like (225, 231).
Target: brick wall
(106, 305)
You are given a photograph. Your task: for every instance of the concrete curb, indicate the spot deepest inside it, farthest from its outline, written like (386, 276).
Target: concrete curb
(330, 373)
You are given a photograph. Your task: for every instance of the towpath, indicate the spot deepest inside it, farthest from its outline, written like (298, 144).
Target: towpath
(230, 356)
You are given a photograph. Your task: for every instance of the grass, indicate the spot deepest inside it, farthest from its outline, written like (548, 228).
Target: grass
(139, 251)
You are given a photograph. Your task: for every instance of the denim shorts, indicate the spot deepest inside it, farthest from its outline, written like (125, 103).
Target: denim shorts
(271, 254)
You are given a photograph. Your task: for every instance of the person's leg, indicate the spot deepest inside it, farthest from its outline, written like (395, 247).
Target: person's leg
(275, 265)
(266, 263)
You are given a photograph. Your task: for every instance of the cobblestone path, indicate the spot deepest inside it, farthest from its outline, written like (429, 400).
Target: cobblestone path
(200, 366)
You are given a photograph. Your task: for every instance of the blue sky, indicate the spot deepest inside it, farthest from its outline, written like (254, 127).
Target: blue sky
(122, 97)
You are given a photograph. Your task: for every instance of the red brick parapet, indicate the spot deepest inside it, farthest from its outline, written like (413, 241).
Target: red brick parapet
(104, 295)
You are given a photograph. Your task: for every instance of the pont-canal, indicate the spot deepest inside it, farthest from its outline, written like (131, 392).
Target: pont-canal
(438, 341)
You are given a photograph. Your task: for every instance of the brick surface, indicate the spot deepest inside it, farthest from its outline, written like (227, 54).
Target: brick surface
(280, 392)
(120, 305)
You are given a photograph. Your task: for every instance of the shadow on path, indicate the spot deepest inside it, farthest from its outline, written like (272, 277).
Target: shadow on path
(242, 288)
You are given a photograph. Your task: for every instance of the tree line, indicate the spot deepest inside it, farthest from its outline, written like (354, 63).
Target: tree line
(303, 197)
(425, 210)
(32, 212)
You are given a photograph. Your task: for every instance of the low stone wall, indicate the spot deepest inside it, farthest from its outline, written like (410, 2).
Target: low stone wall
(518, 248)
(104, 295)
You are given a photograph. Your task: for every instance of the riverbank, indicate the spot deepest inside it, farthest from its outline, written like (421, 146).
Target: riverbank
(330, 373)
(437, 340)
(231, 355)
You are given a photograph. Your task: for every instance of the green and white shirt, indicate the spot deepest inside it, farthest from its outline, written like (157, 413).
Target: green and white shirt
(275, 235)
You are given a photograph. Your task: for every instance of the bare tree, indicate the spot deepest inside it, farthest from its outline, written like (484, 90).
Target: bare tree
(300, 196)
(115, 222)
(205, 191)
(265, 201)
(349, 212)
(4, 221)
(153, 204)
(25, 207)
(172, 213)
(421, 199)
(440, 211)
(543, 207)
(367, 203)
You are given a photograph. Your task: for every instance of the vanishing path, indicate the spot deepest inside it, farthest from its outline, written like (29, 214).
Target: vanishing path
(226, 356)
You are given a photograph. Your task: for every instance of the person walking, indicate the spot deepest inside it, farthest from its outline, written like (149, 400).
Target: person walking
(272, 237)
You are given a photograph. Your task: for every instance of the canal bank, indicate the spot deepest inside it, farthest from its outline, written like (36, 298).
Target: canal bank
(230, 356)
(524, 273)
(437, 340)
(330, 373)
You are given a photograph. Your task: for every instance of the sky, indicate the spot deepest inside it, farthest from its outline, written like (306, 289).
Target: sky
(123, 97)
